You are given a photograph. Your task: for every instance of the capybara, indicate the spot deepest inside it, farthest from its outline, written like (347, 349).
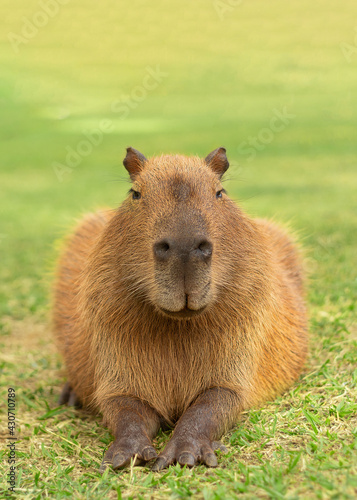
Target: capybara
(177, 310)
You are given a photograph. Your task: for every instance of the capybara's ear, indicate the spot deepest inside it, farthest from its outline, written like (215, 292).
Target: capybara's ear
(134, 162)
(218, 162)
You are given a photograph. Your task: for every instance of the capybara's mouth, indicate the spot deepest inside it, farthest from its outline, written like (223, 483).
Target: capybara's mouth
(184, 313)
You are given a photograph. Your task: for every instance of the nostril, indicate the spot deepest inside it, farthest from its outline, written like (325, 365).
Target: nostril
(205, 249)
(204, 246)
(164, 246)
(162, 249)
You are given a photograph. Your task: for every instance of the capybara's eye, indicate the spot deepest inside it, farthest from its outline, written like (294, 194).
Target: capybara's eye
(135, 194)
(219, 194)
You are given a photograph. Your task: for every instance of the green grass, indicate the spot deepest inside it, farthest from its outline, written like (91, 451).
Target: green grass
(225, 79)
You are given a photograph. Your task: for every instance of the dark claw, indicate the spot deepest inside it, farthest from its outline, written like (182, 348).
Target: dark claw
(159, 464)
(103, 466)
(74, 400)
(64, 396)
(120, 460)
(69, 396)
(149, 453)
(187, 458)
(210, 460)
(217, 445)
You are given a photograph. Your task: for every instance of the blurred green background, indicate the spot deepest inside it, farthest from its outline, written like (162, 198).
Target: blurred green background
(177, 77)
(275, 83)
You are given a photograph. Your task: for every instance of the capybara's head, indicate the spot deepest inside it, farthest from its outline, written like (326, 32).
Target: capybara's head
(176, 214)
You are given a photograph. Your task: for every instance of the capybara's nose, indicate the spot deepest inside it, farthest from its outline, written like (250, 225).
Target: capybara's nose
(197, 248)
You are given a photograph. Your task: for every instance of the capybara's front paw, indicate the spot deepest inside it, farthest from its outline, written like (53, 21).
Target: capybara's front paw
(189, 451)
(123, 450)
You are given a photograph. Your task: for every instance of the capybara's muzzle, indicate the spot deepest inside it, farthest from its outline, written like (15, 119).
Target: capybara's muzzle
(183, 274)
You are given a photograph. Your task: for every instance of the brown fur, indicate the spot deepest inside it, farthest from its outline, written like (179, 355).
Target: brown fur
(251, 339)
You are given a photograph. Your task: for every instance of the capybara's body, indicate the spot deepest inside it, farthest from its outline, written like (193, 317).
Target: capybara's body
(177, 308)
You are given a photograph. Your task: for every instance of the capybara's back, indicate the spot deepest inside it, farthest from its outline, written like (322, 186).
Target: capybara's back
(177, 309)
